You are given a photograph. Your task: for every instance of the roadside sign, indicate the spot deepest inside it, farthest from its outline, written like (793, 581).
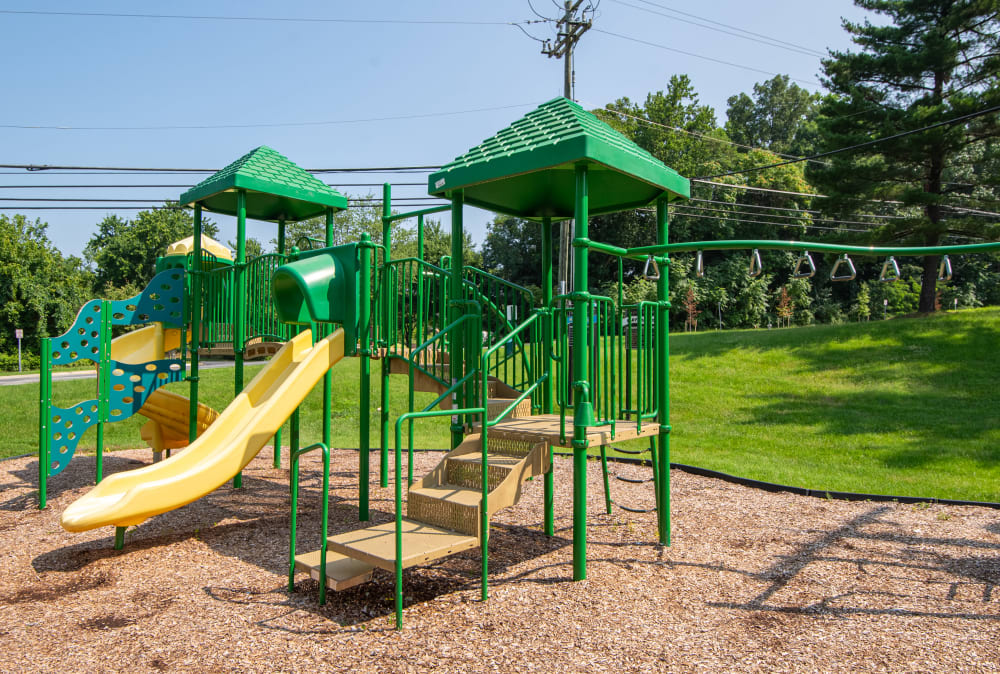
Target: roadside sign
(19, 333)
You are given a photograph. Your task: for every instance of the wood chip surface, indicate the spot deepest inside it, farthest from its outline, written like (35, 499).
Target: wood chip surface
(753, 582)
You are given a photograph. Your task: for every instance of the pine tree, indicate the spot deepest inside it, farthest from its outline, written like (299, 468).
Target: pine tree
(932, 61)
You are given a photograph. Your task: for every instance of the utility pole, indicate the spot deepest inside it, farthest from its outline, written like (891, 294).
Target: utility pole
(570, 28)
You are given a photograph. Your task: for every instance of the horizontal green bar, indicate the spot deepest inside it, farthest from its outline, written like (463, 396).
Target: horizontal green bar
(517, 401)
(817, 247)
(413, 214)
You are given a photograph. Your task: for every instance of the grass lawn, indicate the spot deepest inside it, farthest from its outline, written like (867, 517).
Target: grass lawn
(906, 407)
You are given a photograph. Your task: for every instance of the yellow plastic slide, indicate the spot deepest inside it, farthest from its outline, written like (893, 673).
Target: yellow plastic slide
(226, 447)
(168, 413)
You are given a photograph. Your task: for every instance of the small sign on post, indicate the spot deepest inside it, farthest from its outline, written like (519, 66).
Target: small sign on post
(19, 334)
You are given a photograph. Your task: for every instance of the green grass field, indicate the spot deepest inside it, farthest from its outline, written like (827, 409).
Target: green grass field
(903, 407)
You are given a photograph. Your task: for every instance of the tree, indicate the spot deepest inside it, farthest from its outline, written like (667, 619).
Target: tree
(513, 249)
(40, 290)
(779, 117)
(785, 308)
(933, 61)
(125, 251)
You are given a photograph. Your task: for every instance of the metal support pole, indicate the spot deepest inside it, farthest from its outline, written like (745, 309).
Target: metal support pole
(583, 414)
(456, 357)
(604, 473)
(277, 434)
(44, 421)
(195, 303)
(547, 364)
(663, 374)
(328, 377)
(364, 331)
(383, 468)
(239, 309)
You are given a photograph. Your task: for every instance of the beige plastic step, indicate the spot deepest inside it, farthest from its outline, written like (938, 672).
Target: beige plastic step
(422, 543)
(467, 470)
(448, 506)
(496, 406)
(342, 572)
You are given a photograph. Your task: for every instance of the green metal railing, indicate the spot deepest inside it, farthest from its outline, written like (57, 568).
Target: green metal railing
(417, 308)
(262, 322)
(293, 485)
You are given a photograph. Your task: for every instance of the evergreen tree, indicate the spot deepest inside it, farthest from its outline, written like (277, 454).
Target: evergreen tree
(931, 61)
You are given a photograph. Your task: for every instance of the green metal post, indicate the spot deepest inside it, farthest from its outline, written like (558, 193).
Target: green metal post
(655, 461)
(419, 330)
(120, 537)
(604, 472)
(549, 506)
(196, 305)
(103, 386)
(44, 421)
(328, 377)
(663, 374)
(385, 318)
(277, 435)
(582, 413)
(456, 361)
(239, 308)
(364, 330)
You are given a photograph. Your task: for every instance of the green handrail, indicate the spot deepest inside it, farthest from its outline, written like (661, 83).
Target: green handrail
(643, 251)
(414, 214)
(293, 484)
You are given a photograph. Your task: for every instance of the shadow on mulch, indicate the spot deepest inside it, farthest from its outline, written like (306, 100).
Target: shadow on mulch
(72, 478)
(787, 567)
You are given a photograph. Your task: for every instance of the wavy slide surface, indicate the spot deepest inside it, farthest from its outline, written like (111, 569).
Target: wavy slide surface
(223, 450)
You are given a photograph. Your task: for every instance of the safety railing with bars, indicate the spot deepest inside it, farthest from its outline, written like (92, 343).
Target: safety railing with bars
(261, 321)
(415, 297)
(216, 301)
(621, 361)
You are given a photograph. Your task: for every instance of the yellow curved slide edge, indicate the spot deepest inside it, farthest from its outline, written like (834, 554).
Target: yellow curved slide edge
(226, 447)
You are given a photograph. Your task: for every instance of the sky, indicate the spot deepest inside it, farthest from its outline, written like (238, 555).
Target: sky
(335, 94)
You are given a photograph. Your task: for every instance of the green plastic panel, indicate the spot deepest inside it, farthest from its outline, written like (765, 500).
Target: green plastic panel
(527, 169)
(320, 286)
(277, 189)
(162, 300)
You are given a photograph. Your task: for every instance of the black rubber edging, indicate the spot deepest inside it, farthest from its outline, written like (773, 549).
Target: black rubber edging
(759, 484)
(803, 491)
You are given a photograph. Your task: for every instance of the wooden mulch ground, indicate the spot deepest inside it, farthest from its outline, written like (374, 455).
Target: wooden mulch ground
(753, 582)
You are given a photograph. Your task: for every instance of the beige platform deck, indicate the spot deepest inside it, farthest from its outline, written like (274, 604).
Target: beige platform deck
(341, 572)
(422, 543)
(546, 427)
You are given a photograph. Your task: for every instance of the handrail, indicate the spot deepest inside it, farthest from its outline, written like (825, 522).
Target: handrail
(398, 468)
(413, 214)
(507, 410)
(293, 484)
(805, 245)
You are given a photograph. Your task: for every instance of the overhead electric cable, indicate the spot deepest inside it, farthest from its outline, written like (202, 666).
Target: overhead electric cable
(261, 125)
(274, 19)
(179, 185)
(700, 56)
(770, 42)
(857, 146)
(138, 169)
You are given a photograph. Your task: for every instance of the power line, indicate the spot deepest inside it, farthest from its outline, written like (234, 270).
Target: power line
(737, 28)
(368, 169)
(261, 125)
(830, 221)
(794, 210)
(699, 56)
(806, 51)
(273, 19)
(182, 185)
(903, 134)
(702, 136)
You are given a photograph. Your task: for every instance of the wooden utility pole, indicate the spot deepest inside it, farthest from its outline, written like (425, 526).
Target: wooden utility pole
(570, 28)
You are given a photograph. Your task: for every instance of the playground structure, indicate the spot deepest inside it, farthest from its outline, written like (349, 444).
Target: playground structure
(514, 379)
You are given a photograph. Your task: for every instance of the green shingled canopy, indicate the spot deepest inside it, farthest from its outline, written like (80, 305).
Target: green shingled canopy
(276, 189)
(527, 169)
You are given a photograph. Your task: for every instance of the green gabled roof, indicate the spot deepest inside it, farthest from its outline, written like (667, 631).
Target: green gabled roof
(276, 188)
(527, 169)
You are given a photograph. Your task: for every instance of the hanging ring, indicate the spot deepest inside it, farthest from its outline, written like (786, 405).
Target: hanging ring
(699, 266)
(890, 271)
(851, 271)
(944, 270)
(806, 259)
(755, 265)
(646, 274)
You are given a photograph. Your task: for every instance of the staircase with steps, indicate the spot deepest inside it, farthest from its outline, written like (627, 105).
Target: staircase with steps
(443, 511)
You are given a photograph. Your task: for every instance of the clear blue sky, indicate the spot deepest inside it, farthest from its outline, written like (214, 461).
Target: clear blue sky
(77, 71)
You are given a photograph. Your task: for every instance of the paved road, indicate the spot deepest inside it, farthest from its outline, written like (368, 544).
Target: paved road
(89, 373)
